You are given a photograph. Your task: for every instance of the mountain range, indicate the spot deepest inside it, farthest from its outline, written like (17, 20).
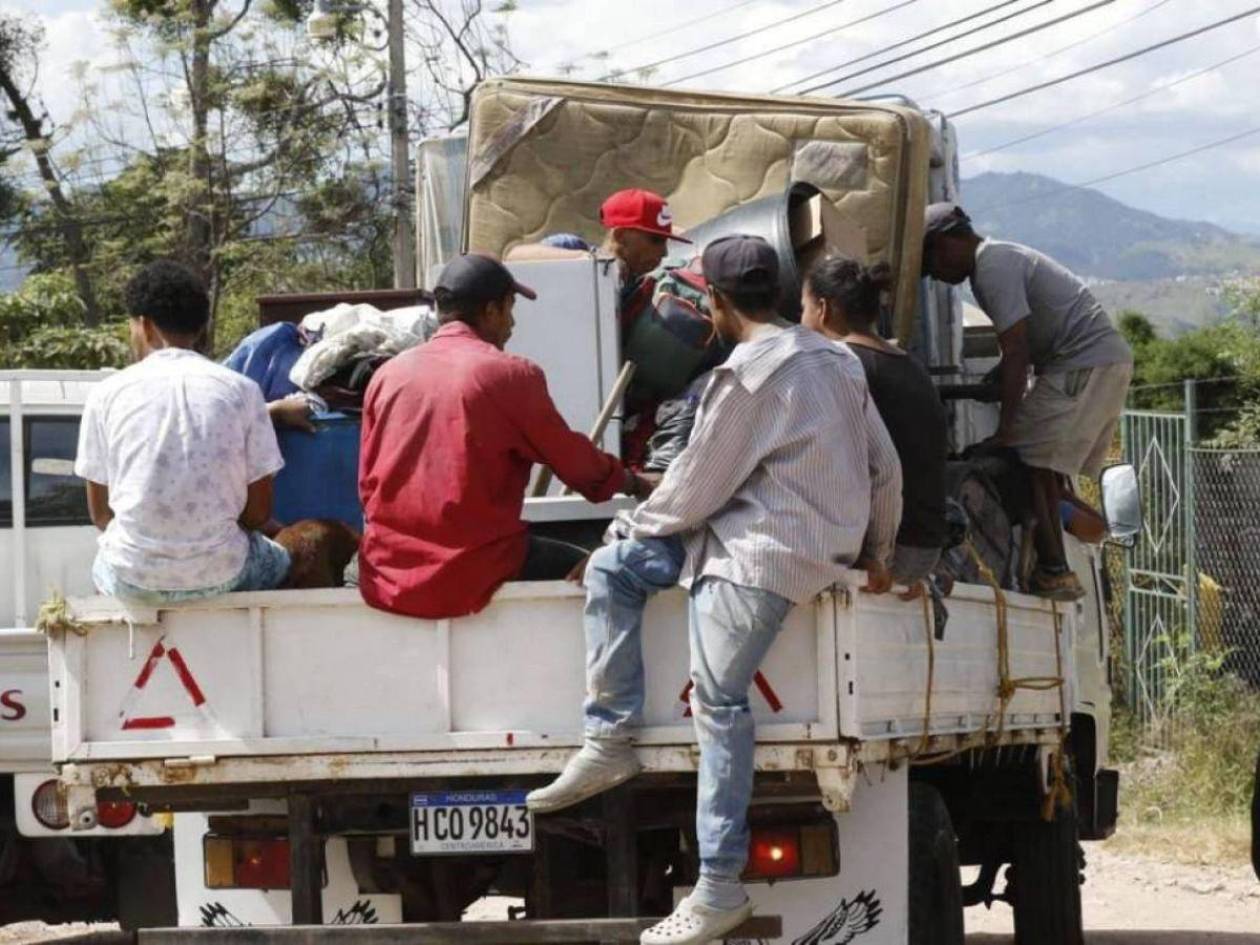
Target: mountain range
(1170, 270)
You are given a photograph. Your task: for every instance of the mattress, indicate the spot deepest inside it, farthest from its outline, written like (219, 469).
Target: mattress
(544, 154)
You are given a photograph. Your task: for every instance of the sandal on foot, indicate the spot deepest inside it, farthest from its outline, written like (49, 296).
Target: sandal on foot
(694, 924)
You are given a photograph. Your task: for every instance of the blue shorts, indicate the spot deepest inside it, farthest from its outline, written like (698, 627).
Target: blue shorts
(266, 567)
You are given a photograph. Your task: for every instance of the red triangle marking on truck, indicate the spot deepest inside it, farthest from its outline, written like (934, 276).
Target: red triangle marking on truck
(186, 679)
(763, 686)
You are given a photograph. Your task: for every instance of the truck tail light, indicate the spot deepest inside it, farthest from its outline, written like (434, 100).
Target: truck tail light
(48, 805)
(115, 815)
(246, 863)
(792, 852)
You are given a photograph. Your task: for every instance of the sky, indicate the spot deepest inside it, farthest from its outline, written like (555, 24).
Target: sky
(1220, 185)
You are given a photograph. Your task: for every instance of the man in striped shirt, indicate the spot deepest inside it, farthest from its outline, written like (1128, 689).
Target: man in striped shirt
(788, 479)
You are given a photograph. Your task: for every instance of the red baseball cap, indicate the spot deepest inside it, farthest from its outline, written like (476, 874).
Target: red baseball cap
(639, 210)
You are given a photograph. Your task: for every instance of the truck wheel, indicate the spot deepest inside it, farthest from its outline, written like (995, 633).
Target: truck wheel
(935, 886)
(1046, 864)
(144, 872)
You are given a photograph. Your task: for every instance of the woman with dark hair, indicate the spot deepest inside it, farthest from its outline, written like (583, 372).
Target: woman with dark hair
(842, 299)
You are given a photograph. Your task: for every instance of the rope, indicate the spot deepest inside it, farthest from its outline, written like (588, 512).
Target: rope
(1059, 793)
(54, 617)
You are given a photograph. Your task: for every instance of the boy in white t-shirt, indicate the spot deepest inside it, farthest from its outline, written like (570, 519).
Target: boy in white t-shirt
(179, 454)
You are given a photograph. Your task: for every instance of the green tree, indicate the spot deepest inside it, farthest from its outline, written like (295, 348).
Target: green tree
(41, 326)
(1224, 360)
(20, 43)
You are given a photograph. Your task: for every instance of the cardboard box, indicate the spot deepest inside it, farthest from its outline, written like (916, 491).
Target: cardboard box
(818, 229)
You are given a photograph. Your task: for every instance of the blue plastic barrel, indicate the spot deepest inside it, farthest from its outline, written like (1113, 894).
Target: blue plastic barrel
(320, 478)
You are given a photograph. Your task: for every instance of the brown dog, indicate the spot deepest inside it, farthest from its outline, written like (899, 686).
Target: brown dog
(320, 549)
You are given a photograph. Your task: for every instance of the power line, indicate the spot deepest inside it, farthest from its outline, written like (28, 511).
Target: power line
(726, 42)
(800, 42)
(898, 45)
(1103, 65)
(937, 45)
(950, 93)
(671, 29)
(1127, 171)
(975, 49)
(1155, 90)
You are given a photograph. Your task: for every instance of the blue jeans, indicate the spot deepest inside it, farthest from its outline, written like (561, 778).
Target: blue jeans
(619, 580)
(266, 566)
(731, 630)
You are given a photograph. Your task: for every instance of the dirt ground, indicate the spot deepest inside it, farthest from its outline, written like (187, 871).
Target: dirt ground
(1126, 892)
(1128, 900)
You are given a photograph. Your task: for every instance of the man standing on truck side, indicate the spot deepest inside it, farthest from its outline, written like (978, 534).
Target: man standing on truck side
(1046, 319)
(179, 454)
(767, 505)
(451, 430)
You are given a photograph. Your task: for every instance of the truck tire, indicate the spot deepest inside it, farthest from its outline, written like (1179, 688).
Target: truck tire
(935, 885)
(1046, 864)
(144, 874)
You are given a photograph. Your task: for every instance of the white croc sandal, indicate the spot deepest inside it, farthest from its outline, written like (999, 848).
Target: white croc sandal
(693, 924)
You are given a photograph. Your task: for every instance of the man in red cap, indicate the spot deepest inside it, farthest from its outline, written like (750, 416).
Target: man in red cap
(451, 430)
(638, 225)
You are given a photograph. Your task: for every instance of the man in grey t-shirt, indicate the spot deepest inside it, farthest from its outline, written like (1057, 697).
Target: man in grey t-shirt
(1046, 319)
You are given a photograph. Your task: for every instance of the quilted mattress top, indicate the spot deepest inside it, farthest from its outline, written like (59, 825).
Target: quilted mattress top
(543, 155)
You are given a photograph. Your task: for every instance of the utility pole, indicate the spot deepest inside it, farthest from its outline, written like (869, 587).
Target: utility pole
(400, 153)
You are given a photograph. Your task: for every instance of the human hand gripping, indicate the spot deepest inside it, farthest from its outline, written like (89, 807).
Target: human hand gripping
(878, 577)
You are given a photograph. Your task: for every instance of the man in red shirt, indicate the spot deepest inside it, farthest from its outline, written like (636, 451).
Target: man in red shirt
(451, 430)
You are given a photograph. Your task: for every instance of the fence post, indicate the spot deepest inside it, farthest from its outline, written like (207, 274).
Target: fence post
(1129, 453)
(1192, 563)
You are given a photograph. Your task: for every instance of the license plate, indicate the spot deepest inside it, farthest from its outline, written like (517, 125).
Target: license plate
(471, 822)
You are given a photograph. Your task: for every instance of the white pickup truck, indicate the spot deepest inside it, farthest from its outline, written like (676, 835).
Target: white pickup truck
(365, 768)
(48, 872)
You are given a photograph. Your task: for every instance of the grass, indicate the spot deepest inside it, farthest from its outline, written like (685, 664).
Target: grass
(1187, 775)
(1205, 841)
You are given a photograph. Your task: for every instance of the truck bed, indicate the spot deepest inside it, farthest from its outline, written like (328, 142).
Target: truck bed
(284, 686)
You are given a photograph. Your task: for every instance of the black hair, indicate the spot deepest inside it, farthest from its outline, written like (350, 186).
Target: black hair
(850, 286)
(171, 296)
(453, 308)
(753, 300)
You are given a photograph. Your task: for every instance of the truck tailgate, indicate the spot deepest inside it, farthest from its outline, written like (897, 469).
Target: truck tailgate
(318, 672)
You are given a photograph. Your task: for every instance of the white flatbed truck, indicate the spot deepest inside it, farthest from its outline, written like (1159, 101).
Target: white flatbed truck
(355, 768)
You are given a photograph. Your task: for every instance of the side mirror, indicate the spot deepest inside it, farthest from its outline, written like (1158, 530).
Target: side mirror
(1122, 504)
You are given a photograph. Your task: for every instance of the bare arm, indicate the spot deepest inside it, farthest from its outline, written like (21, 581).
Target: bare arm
(1016, 359)
(258, 500)
(98, 504)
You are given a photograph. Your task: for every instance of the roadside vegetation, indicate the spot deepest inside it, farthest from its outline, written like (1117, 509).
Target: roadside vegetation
(1187, 773)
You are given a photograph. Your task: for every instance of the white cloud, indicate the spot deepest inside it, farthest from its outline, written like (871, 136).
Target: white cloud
(550, 33)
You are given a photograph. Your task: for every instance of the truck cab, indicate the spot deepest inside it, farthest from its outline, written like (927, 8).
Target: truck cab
(47, 542)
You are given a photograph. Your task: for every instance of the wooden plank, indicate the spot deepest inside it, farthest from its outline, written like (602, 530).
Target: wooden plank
(555, 932)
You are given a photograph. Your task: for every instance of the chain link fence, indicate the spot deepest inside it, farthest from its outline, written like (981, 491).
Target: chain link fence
(1226, 535)
(1190, 607)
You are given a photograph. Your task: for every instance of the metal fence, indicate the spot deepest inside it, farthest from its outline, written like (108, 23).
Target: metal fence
(1192, 584)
